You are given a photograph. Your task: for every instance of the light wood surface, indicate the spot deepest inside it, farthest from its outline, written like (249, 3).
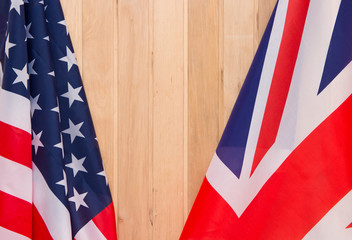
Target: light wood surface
(161, 77)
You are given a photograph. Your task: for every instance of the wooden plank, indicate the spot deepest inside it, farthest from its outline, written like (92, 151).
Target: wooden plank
(134, 111)
(92, 39)
(239, 35)
(203, 89)
(168, 119)
(115, 171)
(186, 204)
(221, 121)
(263, 10)
(73, 16)
(244, 25)
(163, 133)
(98, 77)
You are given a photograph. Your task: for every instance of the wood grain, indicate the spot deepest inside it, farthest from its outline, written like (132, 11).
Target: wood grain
(161, 77)
(238, 41)
(135, 145)
(74, 17)
(263, 11)
(203, 89)
(168, 113)
(97, 74)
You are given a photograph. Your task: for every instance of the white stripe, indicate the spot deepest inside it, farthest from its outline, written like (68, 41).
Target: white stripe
(16, 179)
(333, 224)
(15, 110)
(90, 232)
(304, 109)
(54, 213)
(222, 179)
(9, 235)
(264, 86)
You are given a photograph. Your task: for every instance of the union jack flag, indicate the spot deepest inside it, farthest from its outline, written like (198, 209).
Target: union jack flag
(283, 167)
(52, 181)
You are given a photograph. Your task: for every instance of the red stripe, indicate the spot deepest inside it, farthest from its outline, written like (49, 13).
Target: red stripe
(106, 223)
(40, 231)
(15, 144)
(349, 226)
(316, 176)
(15, 214)
(286, 60)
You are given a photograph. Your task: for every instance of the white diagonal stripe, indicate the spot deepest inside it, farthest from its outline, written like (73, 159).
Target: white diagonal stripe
(9, 235)
(90, 232)
(333, 224)
(54, 213)
(264, 86)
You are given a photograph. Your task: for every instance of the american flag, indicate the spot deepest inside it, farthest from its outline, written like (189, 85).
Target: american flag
(283, 167)
(52, 181)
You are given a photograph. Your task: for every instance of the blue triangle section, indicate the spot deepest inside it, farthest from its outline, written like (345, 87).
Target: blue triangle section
(233, 142)
(340, 49)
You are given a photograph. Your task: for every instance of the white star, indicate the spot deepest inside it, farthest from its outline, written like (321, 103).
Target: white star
(22, 76)
(61, 146)
(31, 69)
(73, 130)
(28, 35)
(45, 7)
(102, 173)
(34, 104)
(56, 109)
(72, 94)
(78, 199)
(41, 2)
(47, 38)
(52, 73)
(36, 141)
(8, 45)
(70, 59)
(63, 22)
(76, 165)
(16, 4)
(63, 182)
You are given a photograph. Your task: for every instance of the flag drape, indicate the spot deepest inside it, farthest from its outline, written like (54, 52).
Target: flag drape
(283, 167)
(52, 181)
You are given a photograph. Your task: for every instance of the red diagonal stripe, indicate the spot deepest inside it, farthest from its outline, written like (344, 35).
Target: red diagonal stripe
(15, 214)
(105, 221)
(349, 226)
(280, 85)
(40, 231)
(15, 144)
(316, 176)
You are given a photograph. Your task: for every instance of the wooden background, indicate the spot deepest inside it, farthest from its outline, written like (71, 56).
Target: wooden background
(161, 78)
